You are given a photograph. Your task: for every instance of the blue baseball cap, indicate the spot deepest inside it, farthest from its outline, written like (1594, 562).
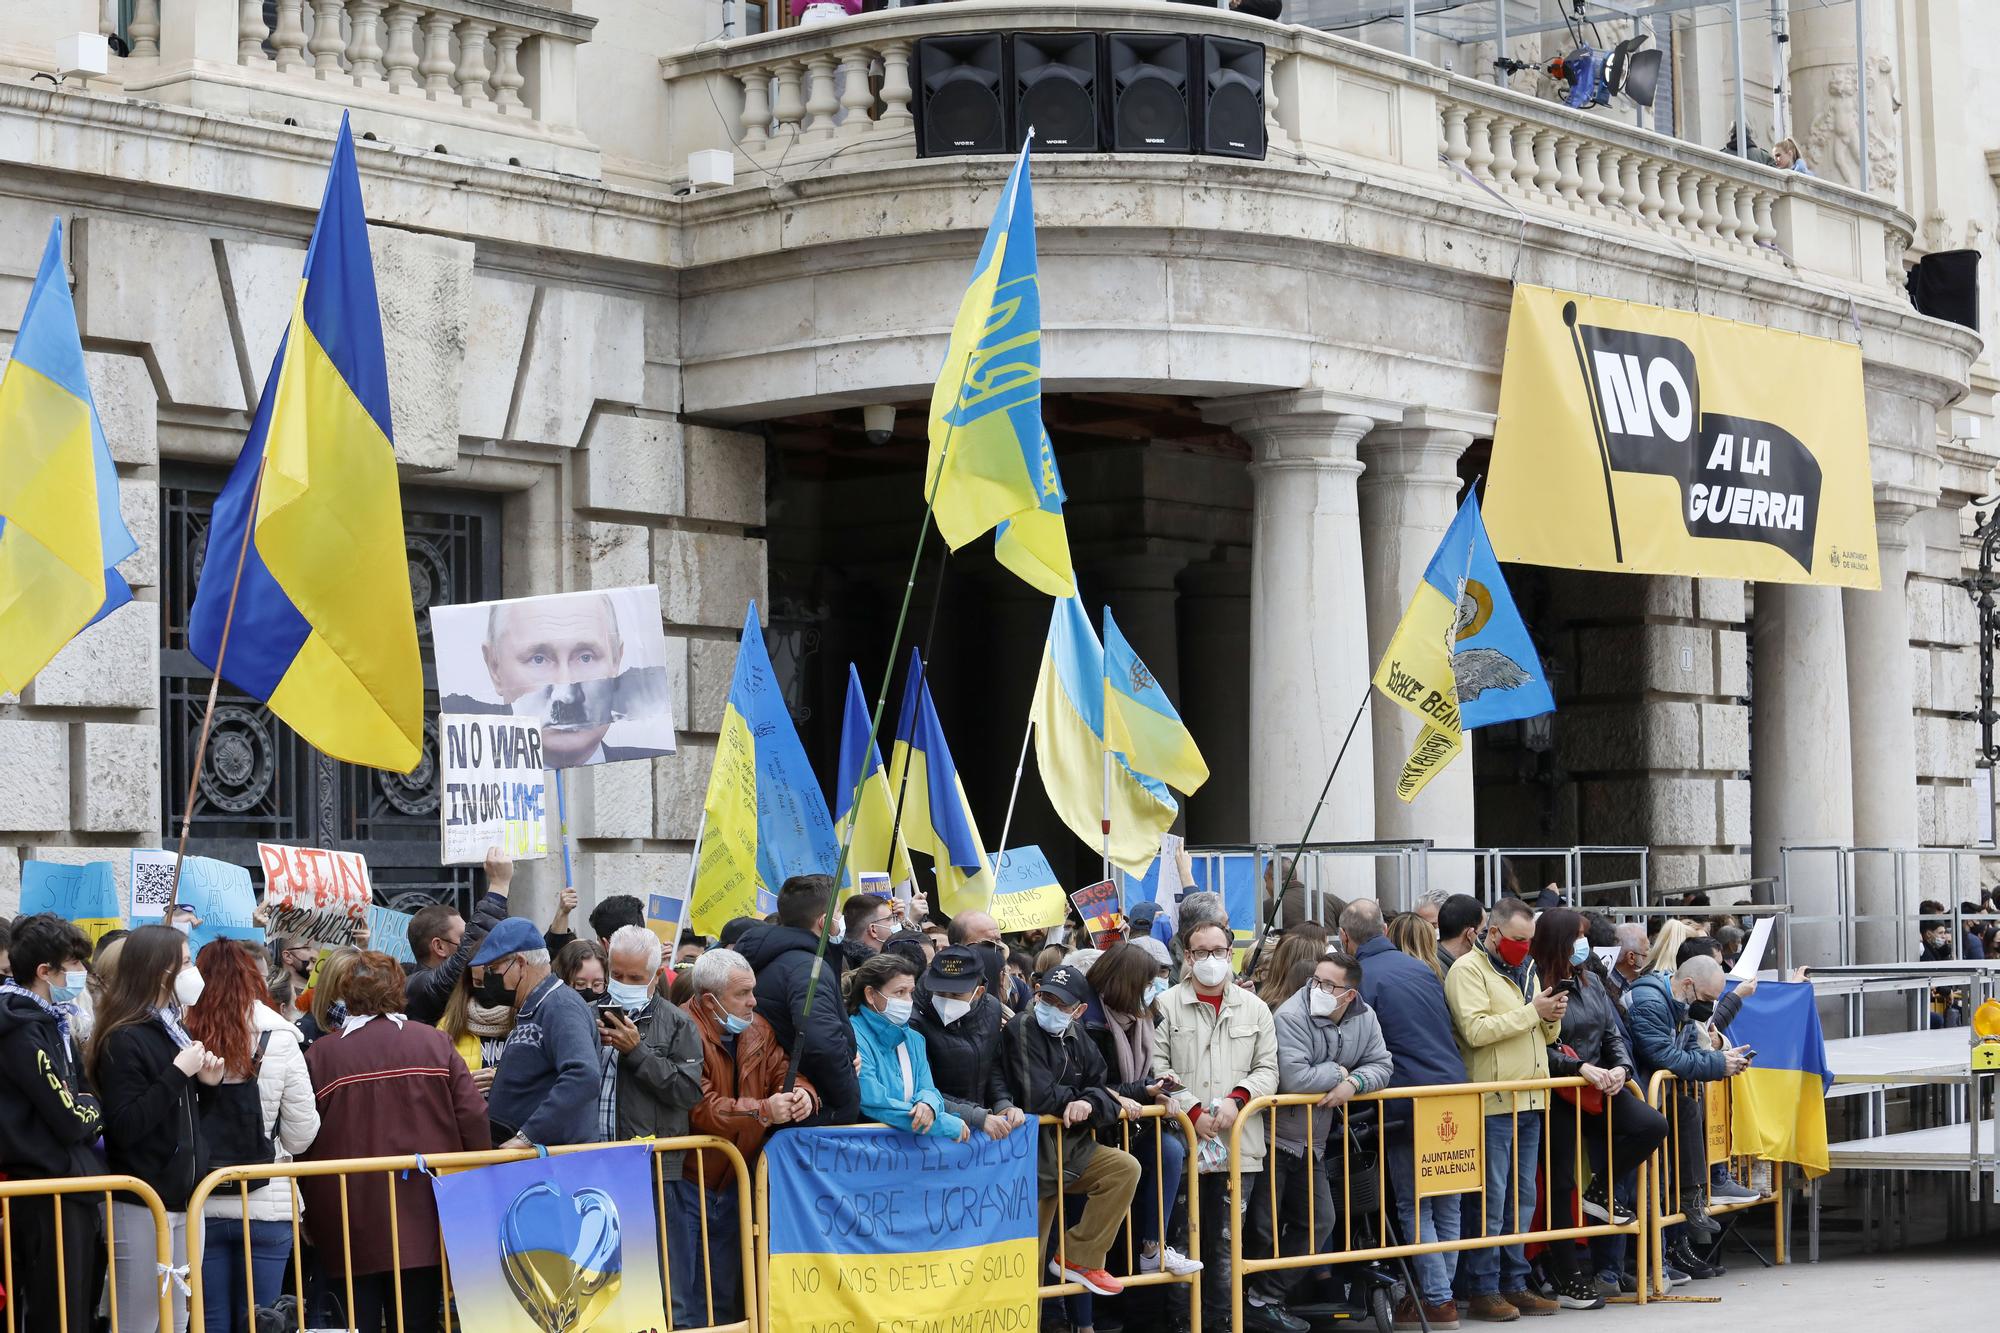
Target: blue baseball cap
(516, 934)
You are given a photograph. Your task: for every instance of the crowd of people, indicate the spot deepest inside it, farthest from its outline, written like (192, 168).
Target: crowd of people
(135, 1057)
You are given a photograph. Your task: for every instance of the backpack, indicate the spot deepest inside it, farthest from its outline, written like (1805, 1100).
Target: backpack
(232, 1121)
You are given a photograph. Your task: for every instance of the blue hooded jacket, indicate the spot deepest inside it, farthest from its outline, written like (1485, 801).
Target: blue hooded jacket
(1662, 1037)
(882, 1077)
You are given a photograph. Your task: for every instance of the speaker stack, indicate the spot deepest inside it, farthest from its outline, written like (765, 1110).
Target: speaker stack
(961, 95)
(1946, 286)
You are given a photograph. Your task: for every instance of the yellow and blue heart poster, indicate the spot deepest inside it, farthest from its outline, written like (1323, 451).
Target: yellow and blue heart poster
(563, 1244)
(875, 1228)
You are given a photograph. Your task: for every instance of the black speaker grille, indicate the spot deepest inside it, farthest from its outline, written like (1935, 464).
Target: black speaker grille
(1062, 112)
(965, 113)
(1152, 113)
(1235, 121)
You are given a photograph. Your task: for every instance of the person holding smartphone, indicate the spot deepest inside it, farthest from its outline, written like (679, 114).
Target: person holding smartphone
(652, 1073)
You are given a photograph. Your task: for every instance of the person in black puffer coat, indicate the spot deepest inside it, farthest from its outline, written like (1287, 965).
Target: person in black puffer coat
(961, 1024)
(784, 958)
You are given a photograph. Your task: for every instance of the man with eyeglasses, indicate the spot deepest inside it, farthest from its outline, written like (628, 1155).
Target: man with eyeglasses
(1329, 1043)
(868, 921)
(1217, 1046)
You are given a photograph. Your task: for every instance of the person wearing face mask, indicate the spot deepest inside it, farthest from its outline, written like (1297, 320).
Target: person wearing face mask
(786, 956)
(960, 1023)
(1505, 1020)
(550, 1074)
(1216, 1042)
(652, 1051)
(867, 922)
(742, 1100)
(894, 1071)
(478, 1018)
(1056, 1070)
(148, 1072)
(49, 1125)
(583, 965)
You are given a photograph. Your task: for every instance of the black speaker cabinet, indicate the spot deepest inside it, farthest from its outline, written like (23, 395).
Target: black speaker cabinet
(1055, 90)
(1946, 286)
(961, 101)
(1232, 101)
(1148, 93)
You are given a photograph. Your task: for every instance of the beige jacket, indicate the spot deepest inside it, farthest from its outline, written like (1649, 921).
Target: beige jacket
(1214, 1054)
(1499, 1033)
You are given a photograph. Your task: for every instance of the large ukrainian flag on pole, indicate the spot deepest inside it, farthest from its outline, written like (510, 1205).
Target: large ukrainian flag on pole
(872, 842)
(1141, 723)
(323, 631)
(1461, 656)
(1777, 1109)
(765, 819)
(60, 529)
(936, 818)
(991, 464)
(1069, 719)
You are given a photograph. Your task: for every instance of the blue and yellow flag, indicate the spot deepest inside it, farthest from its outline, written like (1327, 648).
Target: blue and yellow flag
(937, 819)
(60, 529)
(1141, 723)
(323, 630)
(991, 464)
(1777, 1106)
(1070, 749)
(765, 819)
(1461, 656)
(875, 846)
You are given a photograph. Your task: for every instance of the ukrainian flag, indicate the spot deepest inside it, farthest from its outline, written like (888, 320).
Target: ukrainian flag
(764, 817)
(60, 529)
(323, 630)
(937, 819)
(1070, 748)
(1140, 721)
(869, 837)
(1777, 1106)
(1461, 657)
(991, 464)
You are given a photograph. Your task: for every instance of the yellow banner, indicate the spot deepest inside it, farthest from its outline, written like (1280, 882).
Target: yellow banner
(1450, 1136)
(1434, 749)
(1041, 908)
(1651, 441)
(1715, 1118)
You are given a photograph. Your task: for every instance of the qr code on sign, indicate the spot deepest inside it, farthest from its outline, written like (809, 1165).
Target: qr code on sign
(152, 887)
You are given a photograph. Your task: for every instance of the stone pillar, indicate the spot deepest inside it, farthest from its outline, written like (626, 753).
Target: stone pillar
(1824, 109)
(1408, 493)
(1800, 754)
(1215, 692)
(1309, 665)
(1884, 738)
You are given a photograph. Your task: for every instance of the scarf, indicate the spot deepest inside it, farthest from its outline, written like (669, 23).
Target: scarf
(360, 1021)
(61, 1013)
(170, 1019)
(1133, 1037)
(482, 1021)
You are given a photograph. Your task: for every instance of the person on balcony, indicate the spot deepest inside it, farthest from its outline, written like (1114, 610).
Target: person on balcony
(1787, 157)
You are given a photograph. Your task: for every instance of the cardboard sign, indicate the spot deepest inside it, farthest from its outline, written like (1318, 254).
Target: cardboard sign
(389, 932)
(1099, 907)
(1450, 1143)
(314, 877)
(219, 893)
(86, 895)
(495, 791)
(1715, 1117)
(1026, 895)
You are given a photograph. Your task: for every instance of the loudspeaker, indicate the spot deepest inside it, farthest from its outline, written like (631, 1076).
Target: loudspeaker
(1946, 286)
(1232, 84)
(1055, 90)
(961, 104)
(1149, 94)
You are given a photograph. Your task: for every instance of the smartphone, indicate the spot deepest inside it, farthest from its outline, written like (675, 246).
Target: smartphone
(1168, 1083)
(1567, 986)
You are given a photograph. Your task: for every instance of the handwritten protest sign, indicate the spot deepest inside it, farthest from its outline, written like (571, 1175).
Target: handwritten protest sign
(389, 932)
(1026, 895)
(495, 788)
(86, 895)
(1103, 920)
(218, 891)
(878, 1229)
(315, 893)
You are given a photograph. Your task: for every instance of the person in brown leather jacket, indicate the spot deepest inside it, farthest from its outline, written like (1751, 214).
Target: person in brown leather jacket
(742, 1077)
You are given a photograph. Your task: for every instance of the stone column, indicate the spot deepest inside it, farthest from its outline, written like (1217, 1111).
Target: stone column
(1801, 758)
(1883, 728)
(1408, 493)
(1215, 692)
(1309, 663)
(1822, 80)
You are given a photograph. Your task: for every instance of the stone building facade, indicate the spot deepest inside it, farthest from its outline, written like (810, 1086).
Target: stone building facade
(1267, 383)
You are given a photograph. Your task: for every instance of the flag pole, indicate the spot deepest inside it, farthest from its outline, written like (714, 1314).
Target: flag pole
(215, 682)
(923, 670)
(687, 893)
(1020, 766)
(1106, 809)
(562, 829)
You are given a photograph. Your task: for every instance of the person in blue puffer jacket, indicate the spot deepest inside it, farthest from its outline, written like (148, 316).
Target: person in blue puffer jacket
(895, 1073)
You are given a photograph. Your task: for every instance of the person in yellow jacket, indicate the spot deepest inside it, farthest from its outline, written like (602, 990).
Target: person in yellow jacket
(1504, 1020)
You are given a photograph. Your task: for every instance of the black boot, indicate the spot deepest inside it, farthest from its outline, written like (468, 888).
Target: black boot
(1698, 1220)
(1682, 1256)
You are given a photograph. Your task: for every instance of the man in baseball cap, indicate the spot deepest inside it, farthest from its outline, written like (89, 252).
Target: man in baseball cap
(961, 1024)
(546, 1089)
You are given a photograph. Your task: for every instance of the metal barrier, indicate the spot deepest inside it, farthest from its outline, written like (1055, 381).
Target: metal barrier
(1130, 1278)
(1852, 864)
(1489, 875)
(1438, 1105)
(1319, 870)
(56, 1190)
(1664, 1205)
(392, 1167)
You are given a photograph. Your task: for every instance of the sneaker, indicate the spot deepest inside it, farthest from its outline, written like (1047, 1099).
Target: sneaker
(1674, 1276)
(1093, 1280)
(1171, 1259)
(1494, 1309)
(1598, 1206)
(1273, 1319)
(1577, 1292)
(1527, 1302)
(1728, 1191)
(1442, 1317)
(1610, 1283)
(1698, 1220)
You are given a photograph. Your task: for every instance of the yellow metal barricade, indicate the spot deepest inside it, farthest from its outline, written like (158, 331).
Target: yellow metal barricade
(1128, 1274)
(1664, 1205)
(219, 1185)
(55, 1191)
(1448, 1125)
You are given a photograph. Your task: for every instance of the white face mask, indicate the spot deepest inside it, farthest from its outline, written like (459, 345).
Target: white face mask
(188, 986)
(949, 1011)
(1212, 971)
(898, 1011)
(1324, 1005)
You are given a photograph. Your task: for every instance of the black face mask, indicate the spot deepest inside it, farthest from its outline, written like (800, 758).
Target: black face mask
(493, 993)
(1700, 1011)
(592, 997)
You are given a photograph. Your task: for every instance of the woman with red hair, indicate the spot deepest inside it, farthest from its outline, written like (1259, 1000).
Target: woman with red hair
(262, 1111)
